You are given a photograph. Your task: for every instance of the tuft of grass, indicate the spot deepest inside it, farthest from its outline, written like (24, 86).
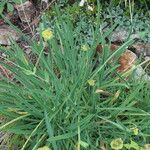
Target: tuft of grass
(51, 103)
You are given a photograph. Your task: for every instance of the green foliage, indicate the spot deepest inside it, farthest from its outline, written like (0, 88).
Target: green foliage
(139, 22)
(51, 103)
(9, 4)
(134, 20)
(74, 12)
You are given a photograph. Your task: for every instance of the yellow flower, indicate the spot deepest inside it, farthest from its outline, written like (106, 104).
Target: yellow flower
(44, 148)
(147, 146)
(117, 144)
(91, 82)
(84, 48)
(135, 131)
(47, 34)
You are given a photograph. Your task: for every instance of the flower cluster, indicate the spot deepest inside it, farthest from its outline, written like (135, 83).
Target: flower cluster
(44, 148)
(91, 82)
(135, 131)
(147, 146)
(117, 144)
(47, 34)
(84, 48)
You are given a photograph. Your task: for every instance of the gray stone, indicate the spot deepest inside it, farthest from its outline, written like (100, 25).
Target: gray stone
(6, 32)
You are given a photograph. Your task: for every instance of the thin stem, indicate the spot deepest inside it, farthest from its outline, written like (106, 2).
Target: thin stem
(79, 137)
(31, 134)
(26, 18)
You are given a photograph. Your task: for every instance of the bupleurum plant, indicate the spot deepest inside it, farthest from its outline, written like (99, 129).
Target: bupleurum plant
(52, 102)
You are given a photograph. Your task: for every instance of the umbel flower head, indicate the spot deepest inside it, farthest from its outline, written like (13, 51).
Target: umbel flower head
(147, 146)
(44, 148)
(47, 34)
(91, 82)
(135, 131)
(84, 48)
(117, 144)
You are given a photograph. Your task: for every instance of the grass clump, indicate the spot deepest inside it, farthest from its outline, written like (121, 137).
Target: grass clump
(53, 101)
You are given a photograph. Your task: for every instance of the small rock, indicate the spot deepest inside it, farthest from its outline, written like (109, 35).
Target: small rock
(119, 36)
(139, 48)
(141, 74)
(147, 58)
(126, 61)
(26, 11)
(135, 36)
(5, 33)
